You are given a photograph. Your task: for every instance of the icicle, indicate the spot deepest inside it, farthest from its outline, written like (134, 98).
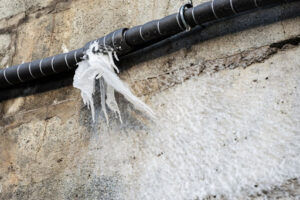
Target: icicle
(102, 96)
(99, 64)
(111, 101)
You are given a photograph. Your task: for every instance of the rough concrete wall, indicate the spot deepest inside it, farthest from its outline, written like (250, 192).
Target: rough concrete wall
(228, 112)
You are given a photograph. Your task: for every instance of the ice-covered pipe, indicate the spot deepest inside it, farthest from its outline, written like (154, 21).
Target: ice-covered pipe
(126, 40)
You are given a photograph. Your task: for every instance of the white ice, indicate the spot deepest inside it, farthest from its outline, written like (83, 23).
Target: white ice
(99, 66)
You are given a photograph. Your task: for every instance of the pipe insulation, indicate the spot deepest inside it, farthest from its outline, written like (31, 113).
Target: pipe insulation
(125, 41)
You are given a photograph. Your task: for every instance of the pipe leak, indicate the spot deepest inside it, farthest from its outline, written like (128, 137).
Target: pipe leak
(98, 65)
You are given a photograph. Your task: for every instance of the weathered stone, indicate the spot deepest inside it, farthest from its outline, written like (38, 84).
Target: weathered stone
(11, 8)
(5, 42)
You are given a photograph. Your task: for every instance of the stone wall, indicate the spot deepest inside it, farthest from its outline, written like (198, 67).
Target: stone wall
(227, 100)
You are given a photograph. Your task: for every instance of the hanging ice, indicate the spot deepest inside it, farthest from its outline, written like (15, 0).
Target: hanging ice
(99, 65)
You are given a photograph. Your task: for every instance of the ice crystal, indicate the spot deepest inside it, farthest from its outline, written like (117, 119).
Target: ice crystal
(98, 65)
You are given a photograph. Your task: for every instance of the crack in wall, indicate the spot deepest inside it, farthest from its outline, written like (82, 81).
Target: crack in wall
(244, 59)
(8, 24)
(43, 136)
(14, 46)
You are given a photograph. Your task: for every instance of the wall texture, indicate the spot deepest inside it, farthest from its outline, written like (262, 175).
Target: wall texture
(228, 109)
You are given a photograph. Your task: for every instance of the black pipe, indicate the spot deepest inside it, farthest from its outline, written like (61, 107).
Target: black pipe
(126, 40)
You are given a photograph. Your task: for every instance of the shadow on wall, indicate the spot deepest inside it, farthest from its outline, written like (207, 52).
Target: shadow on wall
(128, 115)
(169, 45)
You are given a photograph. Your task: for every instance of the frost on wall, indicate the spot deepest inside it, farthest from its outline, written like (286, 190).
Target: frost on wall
(221, 135)
(98, 64)
(234, 137)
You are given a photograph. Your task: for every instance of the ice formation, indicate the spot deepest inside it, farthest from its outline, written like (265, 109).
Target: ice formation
(98, 64)
(64, 48)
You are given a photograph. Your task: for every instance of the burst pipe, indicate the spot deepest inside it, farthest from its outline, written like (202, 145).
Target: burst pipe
(125, 41)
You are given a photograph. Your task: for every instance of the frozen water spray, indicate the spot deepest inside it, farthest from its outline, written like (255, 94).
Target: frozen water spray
(98, 65)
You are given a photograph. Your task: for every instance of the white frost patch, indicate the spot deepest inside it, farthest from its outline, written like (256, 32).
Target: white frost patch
(101, 66)
(223, 136)
(64, 48)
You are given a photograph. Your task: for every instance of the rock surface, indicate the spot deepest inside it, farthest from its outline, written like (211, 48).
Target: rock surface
(228, 109)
